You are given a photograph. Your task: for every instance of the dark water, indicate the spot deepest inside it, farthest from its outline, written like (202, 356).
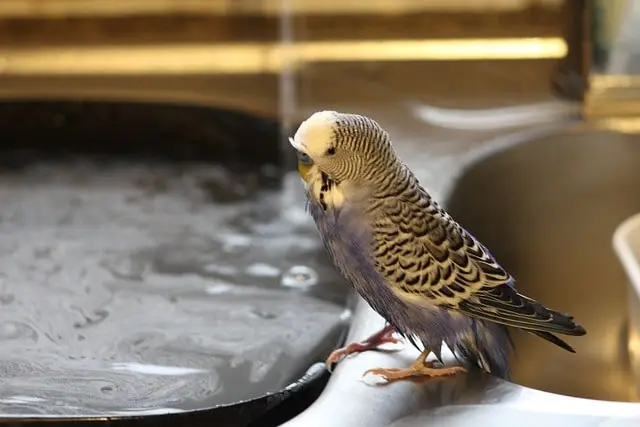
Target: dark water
(129, 287)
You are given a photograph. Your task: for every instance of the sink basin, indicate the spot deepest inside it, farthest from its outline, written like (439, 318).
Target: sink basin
(547, 209)
(152, 264)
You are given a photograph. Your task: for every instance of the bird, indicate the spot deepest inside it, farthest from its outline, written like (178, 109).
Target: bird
(427, 276)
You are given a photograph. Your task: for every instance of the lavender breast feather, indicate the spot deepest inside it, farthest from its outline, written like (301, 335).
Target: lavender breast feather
(348, 241)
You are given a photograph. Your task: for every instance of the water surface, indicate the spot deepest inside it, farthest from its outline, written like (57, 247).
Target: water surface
(127, 287)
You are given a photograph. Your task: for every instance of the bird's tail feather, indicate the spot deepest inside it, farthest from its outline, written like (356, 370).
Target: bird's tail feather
(554, 339)
(486, 348)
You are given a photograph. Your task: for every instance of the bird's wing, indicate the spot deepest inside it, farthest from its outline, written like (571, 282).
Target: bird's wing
(429, 259)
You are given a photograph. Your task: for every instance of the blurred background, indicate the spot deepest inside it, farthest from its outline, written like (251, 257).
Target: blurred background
(233, 52)
(154, 236)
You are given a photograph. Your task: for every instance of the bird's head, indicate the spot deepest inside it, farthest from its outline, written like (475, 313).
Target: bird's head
(346, 148)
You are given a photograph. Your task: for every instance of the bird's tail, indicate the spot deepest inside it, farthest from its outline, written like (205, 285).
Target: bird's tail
(554, 339)
(486, 347)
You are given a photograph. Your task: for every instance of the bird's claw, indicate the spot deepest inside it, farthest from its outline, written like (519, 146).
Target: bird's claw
(335, 357)
(384, 336)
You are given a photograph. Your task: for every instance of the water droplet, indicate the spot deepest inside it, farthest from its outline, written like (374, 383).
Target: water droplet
(264, 270)
(264, 314)
(299, 276)
(226, 270)
(235, 242)
(346, 315)
(219, 288)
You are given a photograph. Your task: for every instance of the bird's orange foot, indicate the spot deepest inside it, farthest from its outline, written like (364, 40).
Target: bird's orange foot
(393, 374)
(419, 369)
(383, 336)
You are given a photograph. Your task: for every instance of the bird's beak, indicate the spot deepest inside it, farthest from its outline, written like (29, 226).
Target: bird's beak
(303, 169)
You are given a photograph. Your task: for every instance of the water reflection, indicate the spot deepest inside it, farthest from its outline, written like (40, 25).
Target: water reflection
(300, 276)
(156, 288)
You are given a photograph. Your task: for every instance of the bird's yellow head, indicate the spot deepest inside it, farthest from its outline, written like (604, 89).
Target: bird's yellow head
(314, 143)
(343, 147)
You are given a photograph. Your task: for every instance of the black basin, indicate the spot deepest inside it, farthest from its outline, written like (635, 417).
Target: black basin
(151, 271)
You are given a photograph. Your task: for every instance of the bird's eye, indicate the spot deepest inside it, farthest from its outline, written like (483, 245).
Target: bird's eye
(304, 158)
(331, 151)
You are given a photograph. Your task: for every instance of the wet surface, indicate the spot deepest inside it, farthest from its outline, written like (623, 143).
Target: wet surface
(129, 287)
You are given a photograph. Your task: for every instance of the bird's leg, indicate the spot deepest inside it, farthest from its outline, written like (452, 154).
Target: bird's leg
(383, 336)
(419, 368)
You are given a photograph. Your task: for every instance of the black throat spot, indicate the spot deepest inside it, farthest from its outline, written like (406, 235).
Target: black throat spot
(327, 184)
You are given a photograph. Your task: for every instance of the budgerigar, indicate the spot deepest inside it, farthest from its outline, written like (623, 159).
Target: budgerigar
(428, 277)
